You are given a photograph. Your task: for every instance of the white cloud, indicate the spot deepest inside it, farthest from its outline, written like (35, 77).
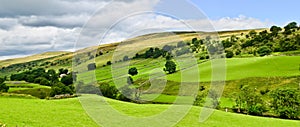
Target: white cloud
(241, 22)
(37, 26)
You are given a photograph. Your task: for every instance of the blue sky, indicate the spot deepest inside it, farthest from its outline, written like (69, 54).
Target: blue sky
(276, 11)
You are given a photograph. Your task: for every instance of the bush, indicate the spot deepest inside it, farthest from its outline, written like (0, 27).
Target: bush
(44, 82)
(286, 103)
(264, 50)
(67, 80)
(3, 87)
(59, 88)
(256, 109)
(108, 90)
(229, 54)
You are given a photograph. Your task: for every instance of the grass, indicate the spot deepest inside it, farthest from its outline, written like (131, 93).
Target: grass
(36, 112)
(239, 68)
(17, 86)
(22, 87)
(236, 68)
(7, 62)
(69, 112)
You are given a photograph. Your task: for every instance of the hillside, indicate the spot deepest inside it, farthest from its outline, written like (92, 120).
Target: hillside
(260, 61)
(4, 63)
(69, 112)
(151, 40)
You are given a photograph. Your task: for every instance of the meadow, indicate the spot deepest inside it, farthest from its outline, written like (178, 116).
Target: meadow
(69, 112)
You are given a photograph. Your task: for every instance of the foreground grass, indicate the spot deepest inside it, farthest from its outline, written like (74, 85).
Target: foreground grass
(69, 112)
(37, 113)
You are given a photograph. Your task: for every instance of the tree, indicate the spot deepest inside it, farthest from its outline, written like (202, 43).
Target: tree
(53, 76)
(44, 82)
(108, 90)
(108, 63)
(229, 54)
(157, 53)
(290, 26)
(3, 86)
(63, 71)
(59, 88)
(248, 100)
(275, 30)
(133, 71)
(67, 80)
(286, 103)
(91, 66)
(170, 67)
(252, 33)
(264, 50)
(149, 53)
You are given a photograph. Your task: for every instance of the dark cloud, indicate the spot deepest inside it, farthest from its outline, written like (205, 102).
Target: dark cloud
(13, 8)
(66, 21)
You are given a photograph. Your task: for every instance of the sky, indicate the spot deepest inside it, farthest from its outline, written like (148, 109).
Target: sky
(35, 26)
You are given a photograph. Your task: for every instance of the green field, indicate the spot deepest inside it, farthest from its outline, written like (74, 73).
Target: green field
(69, 112)
(239, 68)
(22, 85)
(236, 68)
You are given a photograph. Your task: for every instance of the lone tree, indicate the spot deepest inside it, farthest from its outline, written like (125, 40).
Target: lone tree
(170, 67)
(133, 71)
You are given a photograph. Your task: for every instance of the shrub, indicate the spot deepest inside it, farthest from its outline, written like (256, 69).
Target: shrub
(67, 80)
(59, 88)
(229, 54)
(286, 103)
(256, 109)
(3, 87)
(44, 82)
(108, 90)
(264, 50)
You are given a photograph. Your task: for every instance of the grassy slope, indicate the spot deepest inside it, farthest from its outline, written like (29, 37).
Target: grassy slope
(16, 86)
(68, 112)
(31, 58)
(36, 112)
(238, 68)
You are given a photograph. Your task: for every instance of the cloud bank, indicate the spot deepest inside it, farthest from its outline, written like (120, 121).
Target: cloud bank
(34, 26)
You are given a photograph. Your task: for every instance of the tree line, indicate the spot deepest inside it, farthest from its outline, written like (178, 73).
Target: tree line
(59, 85)
(281, 102)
